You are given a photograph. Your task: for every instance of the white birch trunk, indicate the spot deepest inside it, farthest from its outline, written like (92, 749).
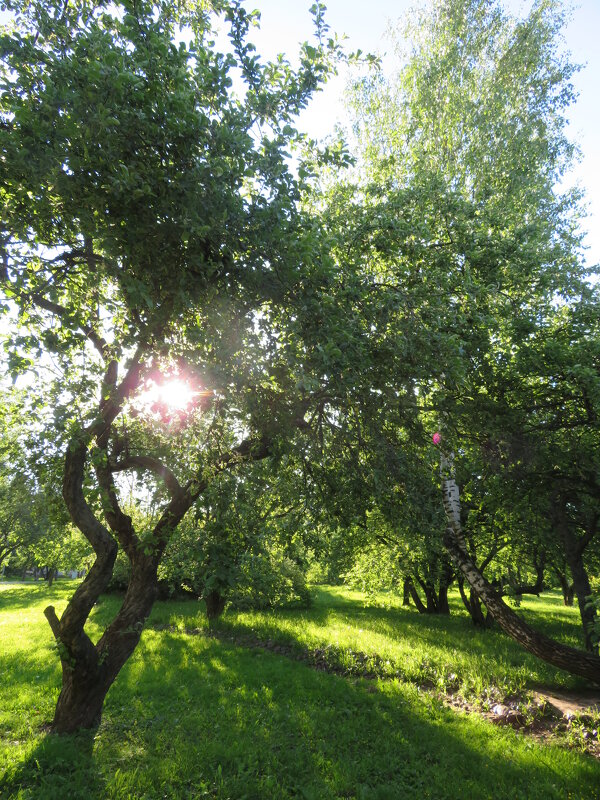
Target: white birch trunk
(577, 662)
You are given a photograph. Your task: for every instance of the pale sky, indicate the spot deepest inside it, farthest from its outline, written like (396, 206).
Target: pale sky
(285, 23)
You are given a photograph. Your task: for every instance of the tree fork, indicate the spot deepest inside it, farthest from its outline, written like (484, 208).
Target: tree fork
(89, 671)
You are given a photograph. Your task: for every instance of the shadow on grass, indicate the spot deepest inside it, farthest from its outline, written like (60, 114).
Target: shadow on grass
(398, 623)
(15, 596)
(59, 768)
(428, 644)
(192, 717)
(245, 723)
(547, 613)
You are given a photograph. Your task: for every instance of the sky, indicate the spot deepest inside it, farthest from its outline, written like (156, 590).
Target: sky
(285, 23)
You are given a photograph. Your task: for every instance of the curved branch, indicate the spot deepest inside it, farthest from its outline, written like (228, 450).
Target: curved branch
(98, 341)
(121, 523)
(105, 547)
(153, 465)
(249, 450)
(80, 512)
(113, 396)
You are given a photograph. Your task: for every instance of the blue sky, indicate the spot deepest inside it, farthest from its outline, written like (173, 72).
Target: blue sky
(284, 23)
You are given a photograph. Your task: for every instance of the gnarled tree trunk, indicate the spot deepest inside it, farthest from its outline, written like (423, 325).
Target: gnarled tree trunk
(215, 604)
(436, 599)
(419, 604)
(446, 578)
(428, 588)
(89, 670)
(567, 589)
(473, 605)
(406, 592)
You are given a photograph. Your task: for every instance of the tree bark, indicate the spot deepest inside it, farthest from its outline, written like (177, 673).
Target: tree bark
(518, 588)
(477, 615)
(89, 670)
(581, 582)
(446, 578)
(88, 677)
(583, 591)
(576, 662)
(473, 605)
(436, 598)
(215, 604)
(568, 594)
(430, 595)
(82, 685)
(567, 589)
(419, 605)
(406, 592)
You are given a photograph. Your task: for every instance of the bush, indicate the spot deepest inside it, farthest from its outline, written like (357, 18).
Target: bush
(121, 573)
(269, 579)
(249, 572)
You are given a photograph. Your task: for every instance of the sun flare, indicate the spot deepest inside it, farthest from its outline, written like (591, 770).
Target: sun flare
(175, 394)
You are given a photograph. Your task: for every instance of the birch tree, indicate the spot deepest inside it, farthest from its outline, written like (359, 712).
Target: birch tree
(462, 153)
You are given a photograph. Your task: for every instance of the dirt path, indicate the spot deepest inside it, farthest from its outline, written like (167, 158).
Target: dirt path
(571, 704)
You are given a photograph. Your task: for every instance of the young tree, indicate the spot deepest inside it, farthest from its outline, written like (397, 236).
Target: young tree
(153, 244)
(237, 545)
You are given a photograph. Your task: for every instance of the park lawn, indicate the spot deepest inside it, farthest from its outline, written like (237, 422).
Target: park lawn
(427, 649)
(192, 716)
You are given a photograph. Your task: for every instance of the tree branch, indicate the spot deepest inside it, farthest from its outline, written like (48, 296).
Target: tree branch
(98, 341)
(153, 465)
(113, 396)
(590, 532)
(53, 621)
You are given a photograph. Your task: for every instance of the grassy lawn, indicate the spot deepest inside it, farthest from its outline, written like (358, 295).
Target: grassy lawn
(198, 717)
(429, 649)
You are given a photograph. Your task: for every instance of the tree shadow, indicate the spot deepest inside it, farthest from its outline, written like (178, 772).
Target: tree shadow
(191, 716)
(268, 727)
(423, 639)
(194, 715)
(561, 623)
(22, 595)
(59, 767)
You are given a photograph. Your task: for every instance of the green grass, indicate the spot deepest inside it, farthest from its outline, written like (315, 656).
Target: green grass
(419, 648)
(197, 717)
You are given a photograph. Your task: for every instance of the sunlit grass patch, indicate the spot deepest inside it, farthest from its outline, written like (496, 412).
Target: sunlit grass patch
(420, 648)
(192, 716)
